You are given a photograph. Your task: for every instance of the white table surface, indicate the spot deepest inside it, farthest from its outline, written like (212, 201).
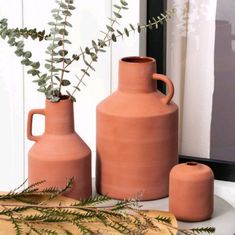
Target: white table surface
(223, 218)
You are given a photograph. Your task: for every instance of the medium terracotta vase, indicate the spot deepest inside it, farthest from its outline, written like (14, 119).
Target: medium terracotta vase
(137, 133)
(59, 154)
(191, 193)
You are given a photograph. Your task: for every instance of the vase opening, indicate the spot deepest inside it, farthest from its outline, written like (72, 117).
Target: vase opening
(136, 59)
(64, 97)
(192, 163)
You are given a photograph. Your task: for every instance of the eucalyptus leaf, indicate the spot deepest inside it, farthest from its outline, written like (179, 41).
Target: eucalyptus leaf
(55, 10)
(27, 54)
(75, 57)
(110, 28)
(35, 65)
(85, 72)
(26, 62)
(124, 3)
(71, 96)
(48, 66)
(77, 88)
(132, 27)
(87, 50)
(120, 33)
(71, 7)
(66, 13)
(55, 99)
(62, 5)
(93, 57)
(19, 52)
(41, 89)
(65, 82)
(34, 72)
(126, 32)
(57, 17)
(63, 52)
(116, 6)
(66, 23)
(114, 39)
(67, 41)
(117, 14)
(69, 1)
(67, 60)
(63, 32)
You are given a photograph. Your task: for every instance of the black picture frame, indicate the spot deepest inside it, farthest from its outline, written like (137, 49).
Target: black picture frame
(156, 48)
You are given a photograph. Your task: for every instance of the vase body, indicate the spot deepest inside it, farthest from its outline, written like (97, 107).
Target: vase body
(136, 136)
(59, 154)
(191, 193)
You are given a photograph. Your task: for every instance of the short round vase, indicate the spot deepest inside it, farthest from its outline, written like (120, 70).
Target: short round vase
(191, 192)
(136, 134)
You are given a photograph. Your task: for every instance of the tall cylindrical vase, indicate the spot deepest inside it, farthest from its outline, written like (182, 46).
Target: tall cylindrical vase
(137, 133)
(59, 154)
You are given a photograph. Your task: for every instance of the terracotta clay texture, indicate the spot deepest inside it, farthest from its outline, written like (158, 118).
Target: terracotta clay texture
(191, 192)
(59, 153)
(137, 132)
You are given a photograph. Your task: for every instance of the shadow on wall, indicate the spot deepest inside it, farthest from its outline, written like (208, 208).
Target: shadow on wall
(223, 108)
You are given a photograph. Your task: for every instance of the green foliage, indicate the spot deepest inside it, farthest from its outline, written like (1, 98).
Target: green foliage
(123, 216)
(163, 219)
(203, 230)
(53, 81)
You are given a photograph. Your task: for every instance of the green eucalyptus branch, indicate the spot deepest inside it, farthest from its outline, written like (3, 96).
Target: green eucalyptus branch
(57, 50)
(51, 82)
(17, 32)
(115, 34)
(98, 47)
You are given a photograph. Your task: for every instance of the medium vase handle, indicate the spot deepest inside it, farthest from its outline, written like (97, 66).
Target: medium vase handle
(30, 136)
(170, 88)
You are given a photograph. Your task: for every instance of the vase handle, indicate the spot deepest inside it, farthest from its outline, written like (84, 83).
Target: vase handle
(30, 136)
(170, 88)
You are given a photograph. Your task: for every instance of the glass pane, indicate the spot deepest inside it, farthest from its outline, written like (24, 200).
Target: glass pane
(223, 109)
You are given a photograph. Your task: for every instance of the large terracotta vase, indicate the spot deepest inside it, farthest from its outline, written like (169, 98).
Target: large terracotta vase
(59, 154)
(137, 133)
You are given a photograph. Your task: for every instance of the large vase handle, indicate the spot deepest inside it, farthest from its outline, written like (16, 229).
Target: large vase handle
(30, 136)
(170, 88)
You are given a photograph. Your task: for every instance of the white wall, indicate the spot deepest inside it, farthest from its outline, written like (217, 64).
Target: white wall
(18, 94)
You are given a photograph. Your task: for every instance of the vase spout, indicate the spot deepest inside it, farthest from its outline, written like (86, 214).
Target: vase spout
(135, 74)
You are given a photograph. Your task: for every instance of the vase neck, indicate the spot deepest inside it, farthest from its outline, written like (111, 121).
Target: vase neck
(59, 117)
(135, 74)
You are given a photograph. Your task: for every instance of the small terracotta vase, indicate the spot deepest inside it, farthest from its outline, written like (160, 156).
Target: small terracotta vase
(137, 133)
(191, 192)
(59, 153)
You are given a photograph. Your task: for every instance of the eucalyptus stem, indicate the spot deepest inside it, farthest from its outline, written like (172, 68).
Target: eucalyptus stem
(51, 82)
(52, 55)
(63, 56)
(107, 39)
(99, 47)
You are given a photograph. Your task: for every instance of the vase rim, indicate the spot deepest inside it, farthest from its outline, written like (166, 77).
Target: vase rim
(63, 98)
(138, 60)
